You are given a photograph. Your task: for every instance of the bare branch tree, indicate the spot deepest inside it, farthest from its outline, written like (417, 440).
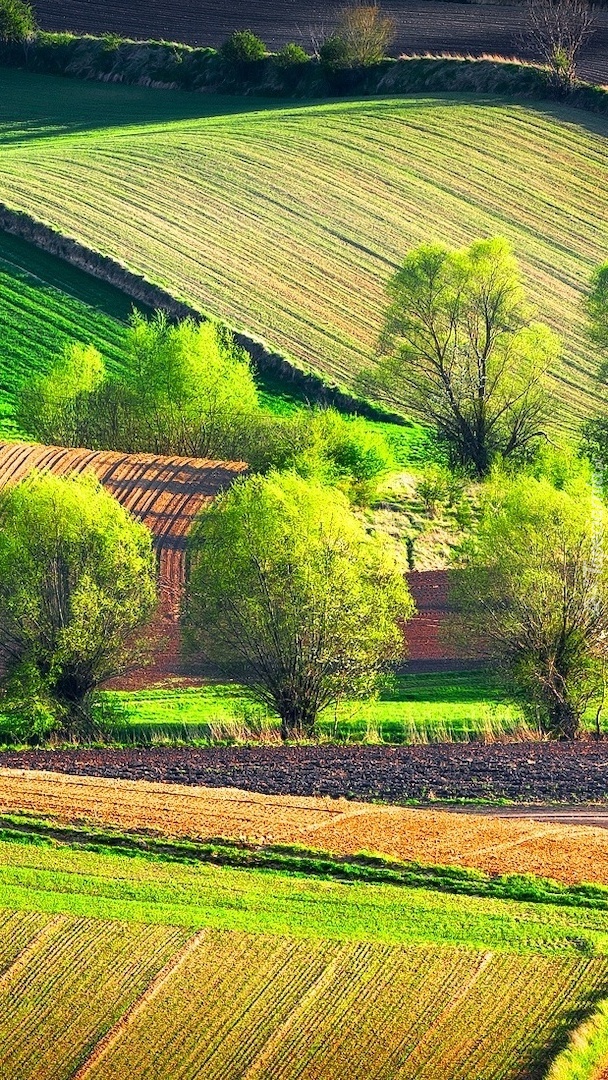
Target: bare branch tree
(557, 31)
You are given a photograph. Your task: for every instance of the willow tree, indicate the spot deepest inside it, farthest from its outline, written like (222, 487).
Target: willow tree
(77, 589)
(459, 349)
(533, 589)
(289, 594)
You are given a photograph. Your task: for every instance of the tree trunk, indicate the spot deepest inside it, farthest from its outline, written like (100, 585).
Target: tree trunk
(564, 720)
(298, 718)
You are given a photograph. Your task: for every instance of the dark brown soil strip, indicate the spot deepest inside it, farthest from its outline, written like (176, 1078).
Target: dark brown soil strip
(532, 773)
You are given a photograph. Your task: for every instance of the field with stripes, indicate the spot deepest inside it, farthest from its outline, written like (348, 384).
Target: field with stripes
(162, 960)
(209, 197)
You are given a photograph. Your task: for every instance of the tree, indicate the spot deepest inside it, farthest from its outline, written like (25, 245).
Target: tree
(184, 388)
(17, 21)
(362, 37)
(534, 589)
(55, 408)
(460, 350)
(288, 593)
(557, 31)
(77, 588)
(594, 431)
(597, 307)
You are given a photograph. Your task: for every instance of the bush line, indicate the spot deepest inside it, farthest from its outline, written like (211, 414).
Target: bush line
(363, 867)
(172, 65)
(140, 290)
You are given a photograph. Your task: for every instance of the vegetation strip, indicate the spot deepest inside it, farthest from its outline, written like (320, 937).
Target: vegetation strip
(585, 1057)
(292, 859)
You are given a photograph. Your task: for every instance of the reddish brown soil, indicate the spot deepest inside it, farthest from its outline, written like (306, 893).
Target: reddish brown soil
(523, 772)
(426, 26)
(568, 853)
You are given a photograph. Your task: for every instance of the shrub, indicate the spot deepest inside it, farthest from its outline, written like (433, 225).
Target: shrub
(334, 52)
(291, 56)
(17, 22)
(366, 33)
(243, 47)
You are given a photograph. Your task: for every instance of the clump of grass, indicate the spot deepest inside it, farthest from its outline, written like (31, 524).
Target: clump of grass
(585, 1057)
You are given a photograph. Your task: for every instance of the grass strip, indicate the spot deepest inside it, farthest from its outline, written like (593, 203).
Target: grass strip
(363, 867)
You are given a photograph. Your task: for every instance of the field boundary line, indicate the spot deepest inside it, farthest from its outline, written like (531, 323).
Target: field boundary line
(277, 1037)
(153, 988)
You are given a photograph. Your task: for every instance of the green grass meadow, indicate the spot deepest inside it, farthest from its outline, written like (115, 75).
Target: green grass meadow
(413, 708)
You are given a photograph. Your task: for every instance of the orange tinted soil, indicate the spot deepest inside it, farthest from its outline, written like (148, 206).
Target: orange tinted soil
(568, 853)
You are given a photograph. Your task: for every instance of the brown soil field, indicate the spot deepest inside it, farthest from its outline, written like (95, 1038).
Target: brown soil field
(522, 772)
(566, 853)
(426, 26)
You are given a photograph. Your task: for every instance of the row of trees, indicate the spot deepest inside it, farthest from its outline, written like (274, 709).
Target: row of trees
(187, 389)
(286, 590)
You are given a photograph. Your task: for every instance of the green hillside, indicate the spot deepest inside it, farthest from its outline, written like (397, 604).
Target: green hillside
(44, 305)
(288, 220)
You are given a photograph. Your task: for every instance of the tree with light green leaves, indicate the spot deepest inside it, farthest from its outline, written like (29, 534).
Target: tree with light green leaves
(533, 590)
(287, 593)
(185, 388)
(460, 350)
(77, 591)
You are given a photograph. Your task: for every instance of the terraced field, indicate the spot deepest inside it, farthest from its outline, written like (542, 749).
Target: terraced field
(287, 221)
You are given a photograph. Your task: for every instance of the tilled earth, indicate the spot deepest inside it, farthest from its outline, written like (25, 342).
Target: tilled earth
(524, 772)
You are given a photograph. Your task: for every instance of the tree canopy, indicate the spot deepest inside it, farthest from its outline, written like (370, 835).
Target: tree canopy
(460, 350)
(288, 593)
(534, 590)
(77, 587)
(185, 388)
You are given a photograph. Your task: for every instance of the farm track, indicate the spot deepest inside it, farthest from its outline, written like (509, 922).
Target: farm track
(421, 27)
(567, 853)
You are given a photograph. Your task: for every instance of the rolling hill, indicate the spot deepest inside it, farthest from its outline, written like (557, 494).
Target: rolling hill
(287, 220)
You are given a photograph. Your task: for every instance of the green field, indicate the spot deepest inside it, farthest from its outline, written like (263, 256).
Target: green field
(167, 968)
(414, 708)
(44, 306)
(287, 220)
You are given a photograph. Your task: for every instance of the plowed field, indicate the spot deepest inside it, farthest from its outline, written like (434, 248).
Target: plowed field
(421, 27)
(567, 853)
(288, 221)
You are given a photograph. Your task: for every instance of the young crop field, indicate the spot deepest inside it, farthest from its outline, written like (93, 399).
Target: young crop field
(567, 853)
(169, 969)
(101, 967)
(44, 306)
(287, 220)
